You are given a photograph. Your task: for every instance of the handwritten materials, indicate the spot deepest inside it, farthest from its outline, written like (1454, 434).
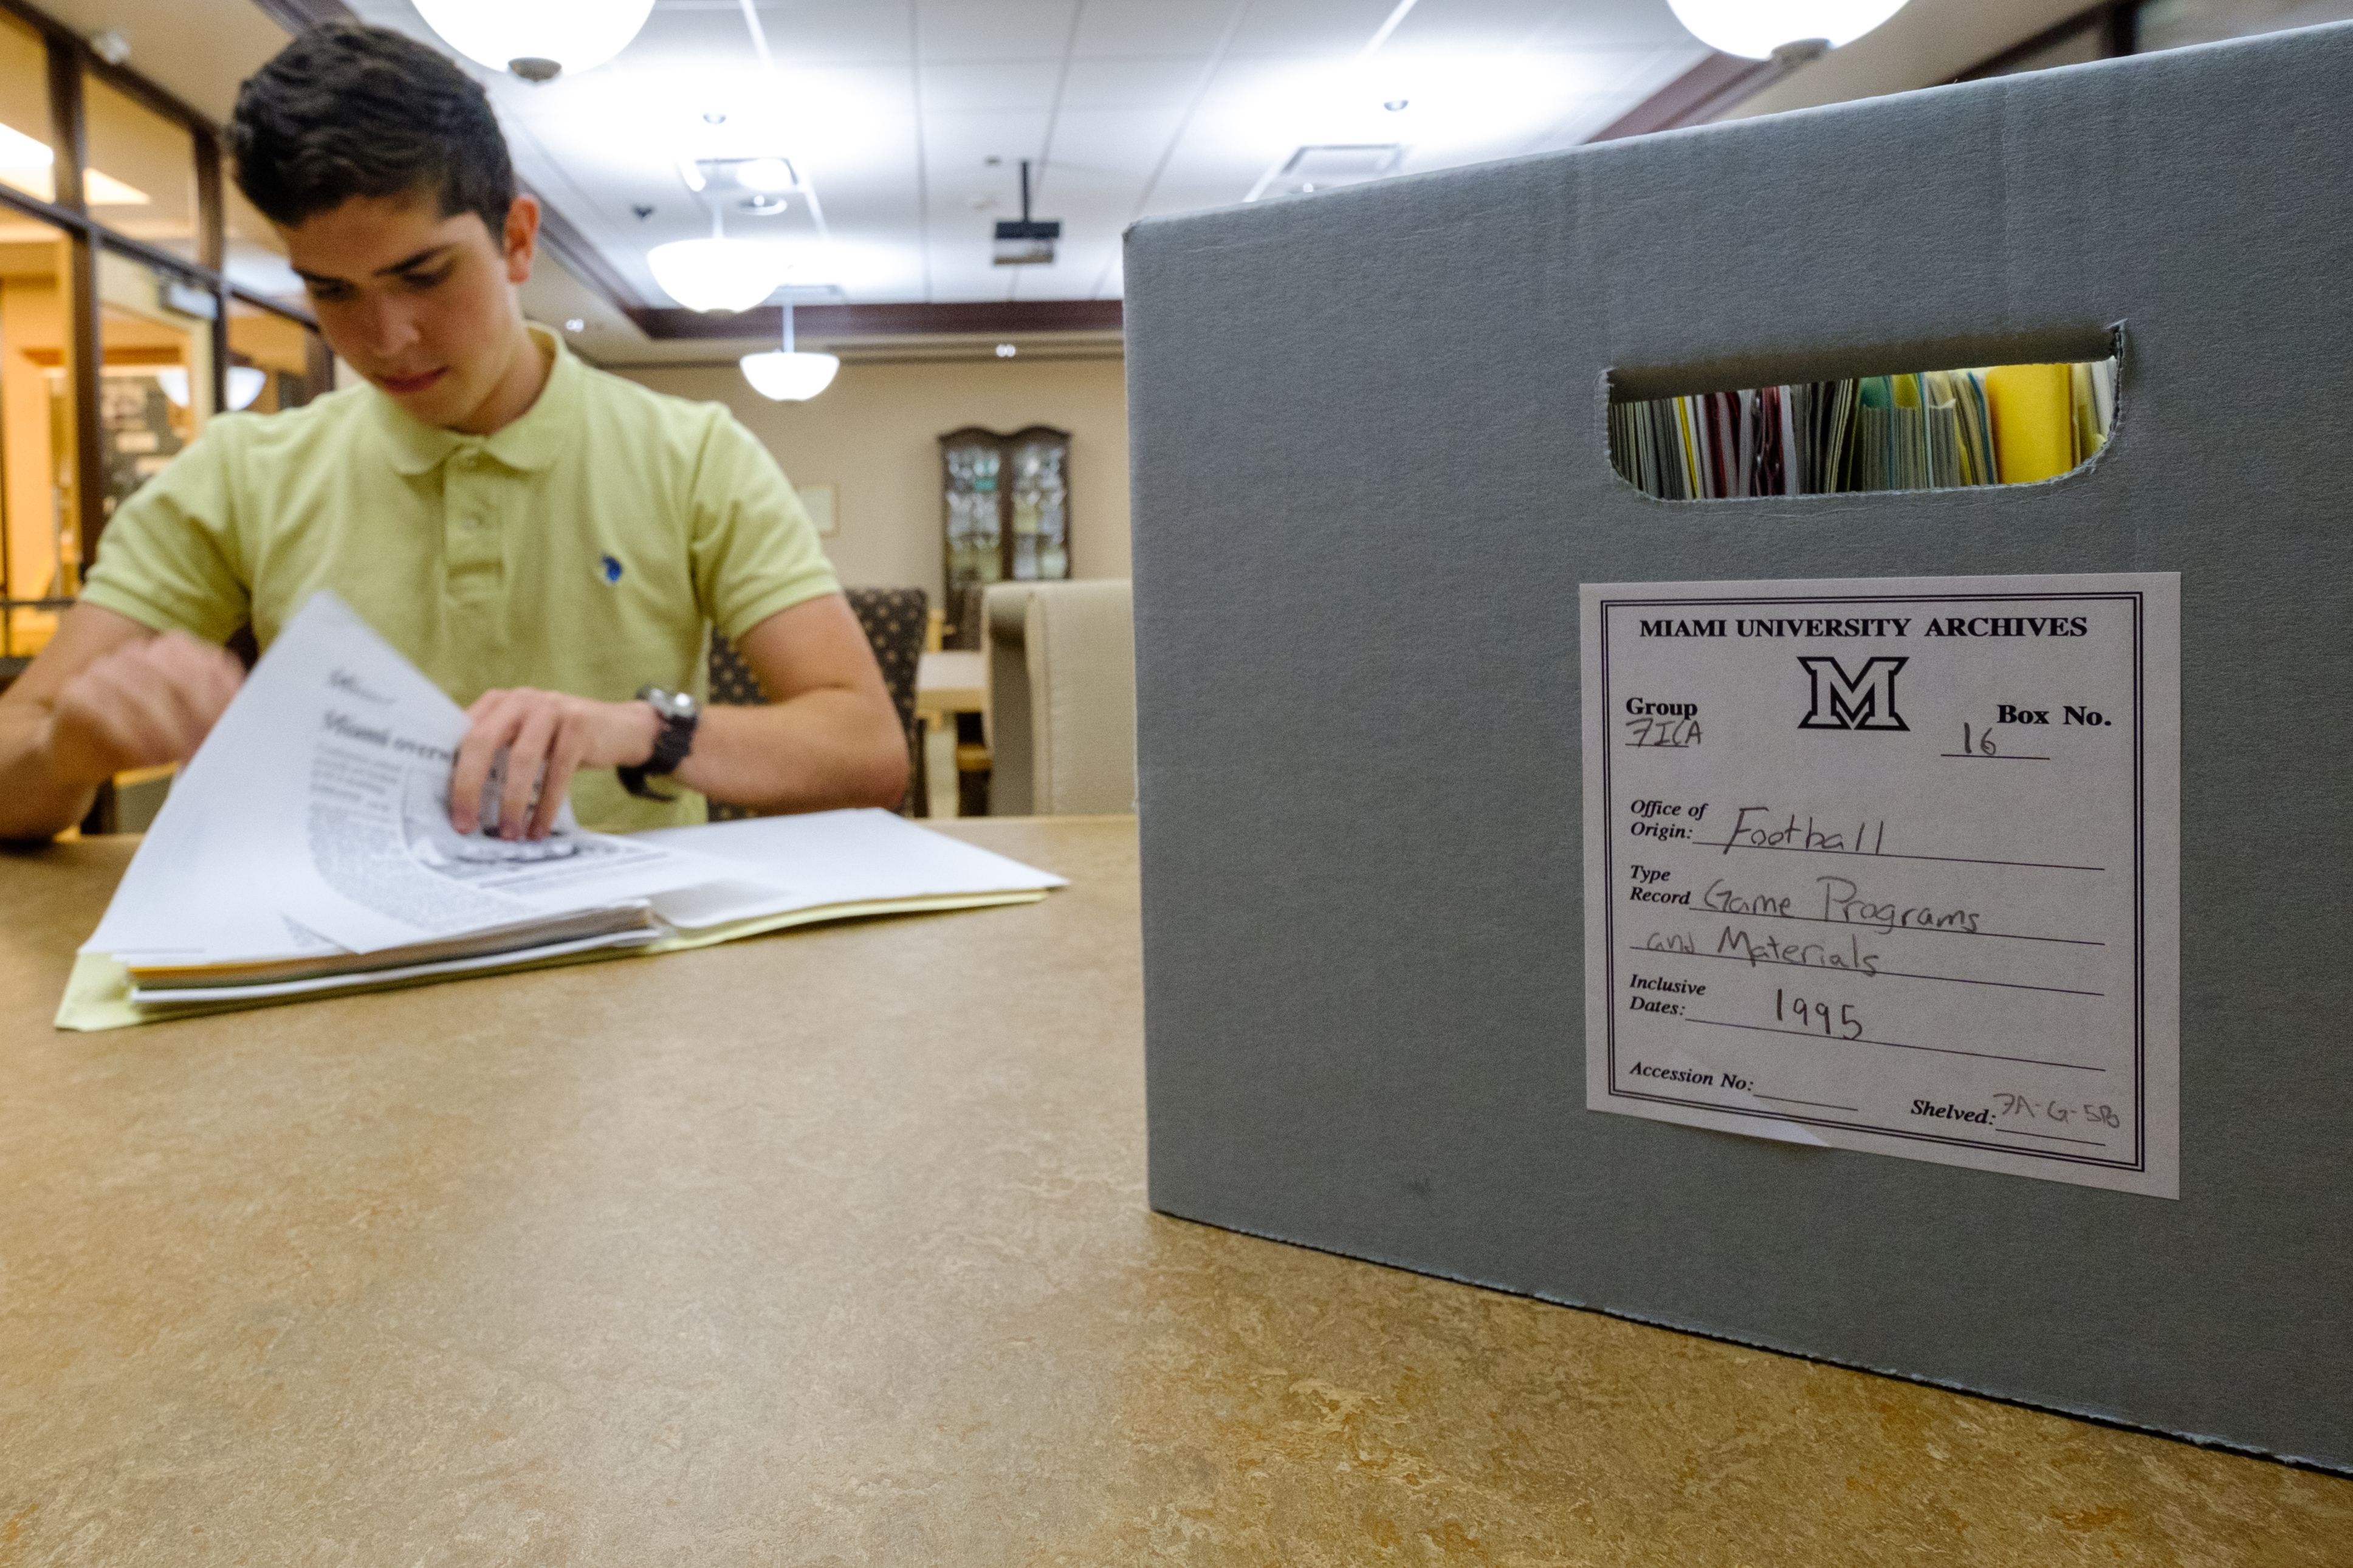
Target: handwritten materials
(1890, 865)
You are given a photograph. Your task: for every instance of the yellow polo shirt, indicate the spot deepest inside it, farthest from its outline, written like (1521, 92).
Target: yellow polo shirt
(584, 548)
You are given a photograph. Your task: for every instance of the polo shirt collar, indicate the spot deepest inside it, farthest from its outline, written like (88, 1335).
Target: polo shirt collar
(527, 445)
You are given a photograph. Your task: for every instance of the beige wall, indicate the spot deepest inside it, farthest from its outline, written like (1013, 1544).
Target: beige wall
(874, 434)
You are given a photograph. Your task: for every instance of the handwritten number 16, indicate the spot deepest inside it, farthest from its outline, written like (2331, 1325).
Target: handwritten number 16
(1812, 1016)
(1981, 744)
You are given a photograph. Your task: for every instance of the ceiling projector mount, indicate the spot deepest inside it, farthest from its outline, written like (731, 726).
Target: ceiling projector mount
(1025, 241)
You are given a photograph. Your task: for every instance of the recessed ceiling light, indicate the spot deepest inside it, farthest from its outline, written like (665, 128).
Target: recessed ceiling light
(576, 325)
(1323, 166)
(714, 118)
(1394, 104)
(765, 175)
(1006, 351)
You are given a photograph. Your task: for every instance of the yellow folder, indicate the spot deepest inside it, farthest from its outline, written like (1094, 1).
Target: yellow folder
(2032, 408)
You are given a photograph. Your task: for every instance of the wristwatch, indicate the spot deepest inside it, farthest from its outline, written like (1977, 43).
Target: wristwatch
(679, 713)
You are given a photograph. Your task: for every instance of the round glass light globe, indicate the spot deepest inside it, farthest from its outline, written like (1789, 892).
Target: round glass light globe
(1754, 28)
(717, 274)
(578, 34)
(789, 378)
(245, 384)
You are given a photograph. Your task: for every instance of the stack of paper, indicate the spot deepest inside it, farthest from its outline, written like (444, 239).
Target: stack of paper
(307, 848)
(1924, 432)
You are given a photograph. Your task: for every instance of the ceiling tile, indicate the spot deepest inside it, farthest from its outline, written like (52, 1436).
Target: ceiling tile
(962, 138)
(951, 30)
(1004, 84)
(1107, 142)
(1335, 28)
(840, 32)
(1134, 29)
(1126, 104)
(1132, 84)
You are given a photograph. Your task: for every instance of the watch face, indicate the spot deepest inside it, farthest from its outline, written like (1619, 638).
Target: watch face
(670, 704)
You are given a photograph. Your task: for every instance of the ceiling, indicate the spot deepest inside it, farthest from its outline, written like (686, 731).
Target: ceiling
(907, 120)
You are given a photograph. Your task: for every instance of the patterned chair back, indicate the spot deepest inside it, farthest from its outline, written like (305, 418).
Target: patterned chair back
(894, 621)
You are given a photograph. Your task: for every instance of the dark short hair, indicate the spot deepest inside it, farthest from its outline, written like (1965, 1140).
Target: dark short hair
(347, 111)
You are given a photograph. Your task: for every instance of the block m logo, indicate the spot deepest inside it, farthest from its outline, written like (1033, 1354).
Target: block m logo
(1865, 700)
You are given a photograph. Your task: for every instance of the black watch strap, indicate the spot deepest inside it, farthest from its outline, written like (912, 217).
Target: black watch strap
(679, 713)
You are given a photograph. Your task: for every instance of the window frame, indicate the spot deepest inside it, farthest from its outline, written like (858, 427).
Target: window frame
(69, 56)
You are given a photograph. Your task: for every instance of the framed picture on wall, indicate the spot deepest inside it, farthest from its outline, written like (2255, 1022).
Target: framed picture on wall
(822, 502)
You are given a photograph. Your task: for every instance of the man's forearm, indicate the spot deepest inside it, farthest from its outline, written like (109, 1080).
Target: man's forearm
(36, 800)
(820, 749)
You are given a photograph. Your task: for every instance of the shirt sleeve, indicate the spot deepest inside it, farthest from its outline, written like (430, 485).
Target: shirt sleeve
(755, 552)
(169, 557)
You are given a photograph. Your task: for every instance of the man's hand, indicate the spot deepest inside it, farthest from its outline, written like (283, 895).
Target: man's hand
(152, 701)
(547, 736)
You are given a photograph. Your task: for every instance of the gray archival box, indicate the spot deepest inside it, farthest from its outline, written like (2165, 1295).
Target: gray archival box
(1370, 472)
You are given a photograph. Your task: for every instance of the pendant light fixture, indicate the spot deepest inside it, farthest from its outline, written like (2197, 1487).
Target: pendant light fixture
(537, 39)
(789, 377)
(719, 274)
(1758, 29)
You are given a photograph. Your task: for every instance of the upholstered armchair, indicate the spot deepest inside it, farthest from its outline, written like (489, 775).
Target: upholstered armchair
(894, 620)
(1062, 698)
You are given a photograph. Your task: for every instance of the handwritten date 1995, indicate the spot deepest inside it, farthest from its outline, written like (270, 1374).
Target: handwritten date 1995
(1812, 1016)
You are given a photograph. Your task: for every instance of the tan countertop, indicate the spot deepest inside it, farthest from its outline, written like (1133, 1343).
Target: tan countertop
(831, 1248)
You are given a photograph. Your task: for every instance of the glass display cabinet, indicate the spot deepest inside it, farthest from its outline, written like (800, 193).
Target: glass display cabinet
(1008, 515)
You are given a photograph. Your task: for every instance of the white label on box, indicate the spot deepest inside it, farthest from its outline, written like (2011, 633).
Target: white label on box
(1890, 865)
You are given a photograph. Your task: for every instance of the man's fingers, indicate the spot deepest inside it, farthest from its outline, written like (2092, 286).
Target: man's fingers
(563, 761)
(524, 754)
(114, 721)
(224, 678)
(152, 702)
(493, 727)
(184, 710)
(186, 684)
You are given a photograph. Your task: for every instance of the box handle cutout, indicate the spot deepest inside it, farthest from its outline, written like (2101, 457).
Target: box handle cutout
(1919, 430)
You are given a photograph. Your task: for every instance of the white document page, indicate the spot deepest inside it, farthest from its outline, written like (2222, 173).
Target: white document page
(826, 858)
(318, 808)
(1892, 865)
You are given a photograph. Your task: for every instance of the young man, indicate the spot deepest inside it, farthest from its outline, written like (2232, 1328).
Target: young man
(547, 542)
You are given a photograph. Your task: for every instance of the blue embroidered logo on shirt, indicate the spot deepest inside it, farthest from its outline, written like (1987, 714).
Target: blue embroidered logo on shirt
(611, 568)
